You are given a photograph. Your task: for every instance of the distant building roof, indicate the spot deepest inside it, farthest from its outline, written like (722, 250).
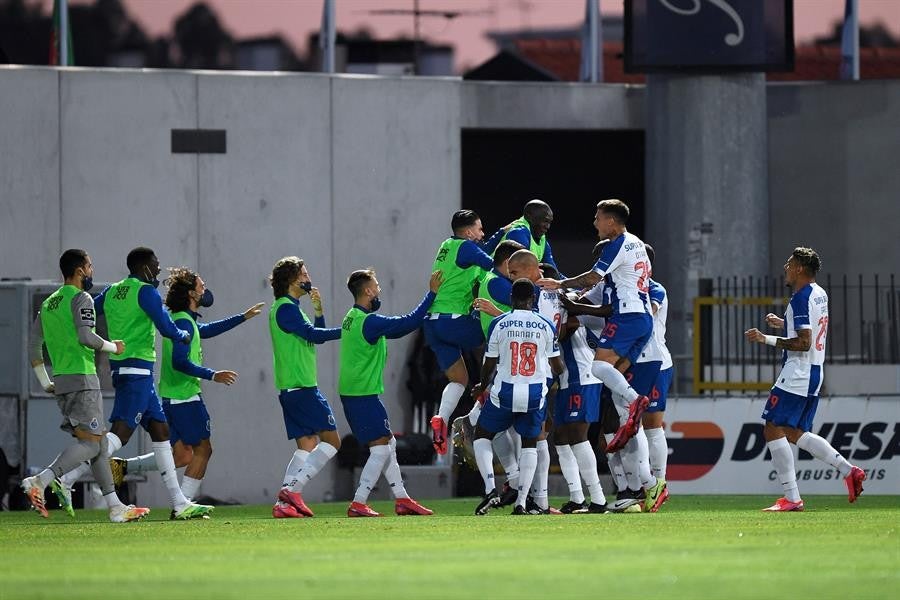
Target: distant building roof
(561, 57)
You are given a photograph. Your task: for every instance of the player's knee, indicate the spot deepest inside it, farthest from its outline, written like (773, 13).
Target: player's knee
(92, 445)
(529, 442)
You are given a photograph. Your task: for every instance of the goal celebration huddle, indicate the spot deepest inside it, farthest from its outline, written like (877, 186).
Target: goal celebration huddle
(560, 353)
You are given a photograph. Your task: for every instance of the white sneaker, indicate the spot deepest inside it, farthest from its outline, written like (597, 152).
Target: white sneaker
(124, 514)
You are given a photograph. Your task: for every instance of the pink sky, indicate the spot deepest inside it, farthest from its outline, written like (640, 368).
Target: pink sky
(296, 19)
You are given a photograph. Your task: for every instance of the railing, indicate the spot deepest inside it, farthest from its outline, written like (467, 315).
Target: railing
(864, 327)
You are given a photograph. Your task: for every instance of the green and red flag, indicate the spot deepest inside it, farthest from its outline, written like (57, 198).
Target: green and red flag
(61, 53)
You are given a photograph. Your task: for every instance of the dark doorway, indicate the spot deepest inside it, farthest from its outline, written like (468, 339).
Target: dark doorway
(570, 170)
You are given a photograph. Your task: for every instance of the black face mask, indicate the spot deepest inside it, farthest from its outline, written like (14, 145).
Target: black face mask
(376, 303)
(87, 283)
(154, 282)
(206, 300)
(306, 286)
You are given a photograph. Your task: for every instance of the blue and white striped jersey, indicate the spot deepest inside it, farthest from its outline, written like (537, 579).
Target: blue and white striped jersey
(802, 372)
(523, 341)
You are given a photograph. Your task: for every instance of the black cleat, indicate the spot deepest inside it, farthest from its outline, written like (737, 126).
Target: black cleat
(520, 510)
(598, 509)
(508, 495)
(489, 501)
(574, 508)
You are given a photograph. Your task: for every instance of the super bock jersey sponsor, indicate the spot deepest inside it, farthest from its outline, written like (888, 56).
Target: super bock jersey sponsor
(802, 372)
(523, 341)
(625, 268)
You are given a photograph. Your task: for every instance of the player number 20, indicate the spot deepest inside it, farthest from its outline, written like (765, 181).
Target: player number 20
(523, 356)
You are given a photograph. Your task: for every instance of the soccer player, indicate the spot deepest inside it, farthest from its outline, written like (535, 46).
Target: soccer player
(308, 418)
(364, 336)
(65, 324)
(449, 329)
(522, 349)
(134, 311)
(577, 406)
(792, 403)
(625, 269)
(653, 418)
(524, 264)
(182, 370)
(531, 229)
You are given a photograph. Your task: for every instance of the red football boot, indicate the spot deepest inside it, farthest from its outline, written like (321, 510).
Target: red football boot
(408, 506)
(854, 483)
(295, 500)
(358, 509)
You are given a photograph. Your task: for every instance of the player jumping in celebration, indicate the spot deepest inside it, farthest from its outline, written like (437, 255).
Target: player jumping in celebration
(449, 329)
(792, 403)
(531, 229)
(625, 269)
(308, 418)
(522, 349)
(65, 324)
(363, 355)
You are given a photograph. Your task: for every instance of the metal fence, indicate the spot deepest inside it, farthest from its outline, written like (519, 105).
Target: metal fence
(864, 327)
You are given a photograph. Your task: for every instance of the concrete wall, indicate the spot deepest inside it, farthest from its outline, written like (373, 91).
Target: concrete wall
(834, 181)
(348, 172)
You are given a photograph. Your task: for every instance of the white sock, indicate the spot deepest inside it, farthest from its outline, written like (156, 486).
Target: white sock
(506, 452)
(166, 463)
(474, 414)
(643, 456)
(527, 465)
(821, 449)
(378, 455)
(312, 464)
(616, 468)
(614, 380)
(569, 467)
(190, 487)
(783, 461)
(45, 477)
(298, 459)
(484, 457)
(69, 479)
(541, 475)
(112, 500)
(392, 472)
(113, 443)
(449, 399)
(144, 463)
(659, 451)
(587, 466)
(629, 457)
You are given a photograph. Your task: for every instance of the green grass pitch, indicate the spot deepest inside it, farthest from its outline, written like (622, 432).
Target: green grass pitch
(696, 546)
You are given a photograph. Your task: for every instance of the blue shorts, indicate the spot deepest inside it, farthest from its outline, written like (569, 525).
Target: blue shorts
(661, 390)
(790, 410)
(306, 412)
(367, 417)
(448, 338)
(578, 404)
(494, 419)
(627, 334)
(136, 401)
(642, 376)
(188, 422)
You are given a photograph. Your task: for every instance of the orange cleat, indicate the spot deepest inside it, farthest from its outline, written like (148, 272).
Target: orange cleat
(854, 482)
(785, 505)
(35, 494)
(408, 506)
(296, 500)
(439, 434)
(283, 510)
(358, 509)
(631, 426)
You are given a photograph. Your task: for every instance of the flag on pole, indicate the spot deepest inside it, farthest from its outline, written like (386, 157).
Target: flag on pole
(850, 41)
(591, 44)
(61, 53)
(326, 36)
